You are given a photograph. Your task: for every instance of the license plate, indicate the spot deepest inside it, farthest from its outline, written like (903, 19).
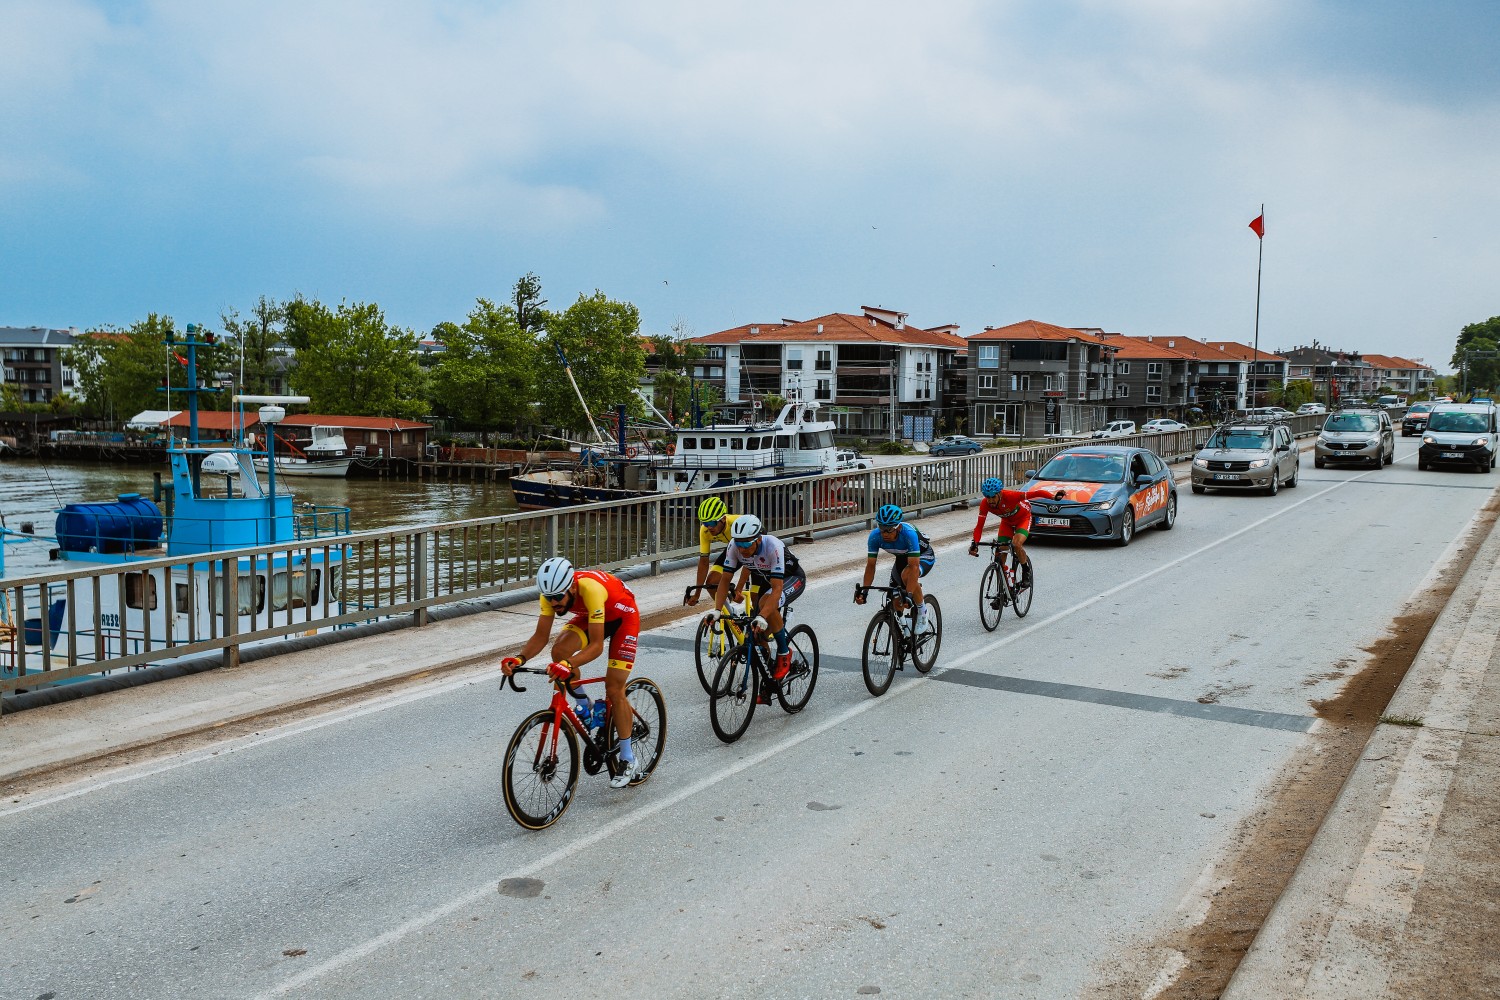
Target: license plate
(1225, 475)
(1054, 522)
(1453, 454)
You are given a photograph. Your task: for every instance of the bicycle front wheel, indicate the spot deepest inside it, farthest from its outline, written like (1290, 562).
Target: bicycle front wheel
(541, 771)
(734, 692)
(882, 649)
(1021, 597)
(925, 644)
(708, 646)
(648, 727)
(991, 597)
(797, 686)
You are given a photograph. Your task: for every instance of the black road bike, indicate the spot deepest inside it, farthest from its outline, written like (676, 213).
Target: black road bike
(998, 588)
(743, 674)
(892, 637)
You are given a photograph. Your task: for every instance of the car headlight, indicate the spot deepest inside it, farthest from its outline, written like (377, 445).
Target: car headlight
(1372, 442)
(1260, 463)
(1323, 440)
(1429, 439)
(1200, 463)
(1482, 442)
(1104, 504)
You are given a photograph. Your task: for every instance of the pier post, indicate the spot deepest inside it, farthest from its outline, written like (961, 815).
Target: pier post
(551, 539)
(653, 535)
(419, 616)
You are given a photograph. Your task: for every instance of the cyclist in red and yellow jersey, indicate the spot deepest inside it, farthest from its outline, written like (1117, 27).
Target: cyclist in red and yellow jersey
(602, 608)
(1015, 522)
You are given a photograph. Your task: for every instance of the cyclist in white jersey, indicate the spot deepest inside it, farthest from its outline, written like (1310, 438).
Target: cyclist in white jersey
(775, 576)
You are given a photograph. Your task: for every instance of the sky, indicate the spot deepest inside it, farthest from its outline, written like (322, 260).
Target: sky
(1079, 162)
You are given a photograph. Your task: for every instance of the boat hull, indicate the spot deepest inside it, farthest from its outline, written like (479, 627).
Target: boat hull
(332, 468)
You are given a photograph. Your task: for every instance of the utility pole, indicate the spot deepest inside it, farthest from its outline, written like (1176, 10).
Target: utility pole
(895, 367)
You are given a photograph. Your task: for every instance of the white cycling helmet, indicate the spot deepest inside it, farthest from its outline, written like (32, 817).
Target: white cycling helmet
(555, 577)
(745, 526)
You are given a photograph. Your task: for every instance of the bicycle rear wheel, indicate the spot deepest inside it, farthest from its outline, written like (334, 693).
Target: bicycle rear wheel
(797, 686)
(735, 689)
(648, 728)
(882, 649)
(541, 771)
(1021, 597)
(991, 597)
(925, 644)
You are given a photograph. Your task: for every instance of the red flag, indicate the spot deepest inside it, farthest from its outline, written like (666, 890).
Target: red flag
(180, 358)
(1259, 225)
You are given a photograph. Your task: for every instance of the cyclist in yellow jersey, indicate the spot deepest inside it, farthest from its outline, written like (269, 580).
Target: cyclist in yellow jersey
(714, 525)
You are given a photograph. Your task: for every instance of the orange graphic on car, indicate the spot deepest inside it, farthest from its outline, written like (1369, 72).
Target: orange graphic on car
(1072, 492)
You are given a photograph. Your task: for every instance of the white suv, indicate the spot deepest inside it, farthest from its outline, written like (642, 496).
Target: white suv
(1116, 429)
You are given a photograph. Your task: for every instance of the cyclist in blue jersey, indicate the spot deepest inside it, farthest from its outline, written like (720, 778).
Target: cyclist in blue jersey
(914, 557)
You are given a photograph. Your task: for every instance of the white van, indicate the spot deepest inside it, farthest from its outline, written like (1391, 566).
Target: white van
(1116, 429)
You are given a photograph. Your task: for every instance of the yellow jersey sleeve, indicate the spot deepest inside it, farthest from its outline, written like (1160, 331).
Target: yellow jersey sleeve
(705, 537)
(594, 597)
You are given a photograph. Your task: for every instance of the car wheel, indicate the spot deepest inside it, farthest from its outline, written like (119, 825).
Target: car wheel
(1169, 519)
(1127, 528)
(1421, 465)
(1318, 463)
(1296, 471)
(1199, 489)
(1380, 460)
(1275, 485)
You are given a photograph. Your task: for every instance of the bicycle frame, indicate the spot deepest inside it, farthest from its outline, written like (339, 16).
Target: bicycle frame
(562, 709)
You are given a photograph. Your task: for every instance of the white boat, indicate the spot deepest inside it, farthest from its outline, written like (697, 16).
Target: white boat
(323, 454)
(798, 442)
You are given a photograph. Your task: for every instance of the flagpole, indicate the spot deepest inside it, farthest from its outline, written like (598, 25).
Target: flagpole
(1259, 257)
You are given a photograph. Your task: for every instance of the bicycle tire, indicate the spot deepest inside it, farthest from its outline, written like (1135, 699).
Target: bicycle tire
(879, 668)
(735, 689)
(925, 644)
(648, 727)
(538, 793)
(797, 686)
(1020, 600)
(704, 655)
(991, 593)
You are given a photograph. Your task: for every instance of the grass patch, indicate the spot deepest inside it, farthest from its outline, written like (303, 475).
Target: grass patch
(1412, 721)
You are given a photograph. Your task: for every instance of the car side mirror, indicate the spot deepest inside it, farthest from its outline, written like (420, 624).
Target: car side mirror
(1142, 477)
(1029, 473)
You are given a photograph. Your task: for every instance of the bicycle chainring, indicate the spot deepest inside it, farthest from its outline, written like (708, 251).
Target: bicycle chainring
(593, 760)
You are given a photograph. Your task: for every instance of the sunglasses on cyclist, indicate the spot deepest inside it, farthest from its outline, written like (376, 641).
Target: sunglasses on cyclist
(746, 543)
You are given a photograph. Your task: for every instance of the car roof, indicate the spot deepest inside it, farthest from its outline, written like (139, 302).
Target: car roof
(1098, 449)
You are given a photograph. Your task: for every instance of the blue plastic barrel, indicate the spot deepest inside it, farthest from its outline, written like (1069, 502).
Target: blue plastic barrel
(131, 522)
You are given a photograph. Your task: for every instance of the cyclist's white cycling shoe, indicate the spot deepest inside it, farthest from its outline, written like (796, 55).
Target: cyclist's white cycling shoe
(627, 773)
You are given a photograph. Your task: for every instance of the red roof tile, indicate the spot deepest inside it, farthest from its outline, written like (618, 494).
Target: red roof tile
(1030, 329)
(1141, 347)
(363, 423)
(1240, 352)
(842, 328)
(214, 420)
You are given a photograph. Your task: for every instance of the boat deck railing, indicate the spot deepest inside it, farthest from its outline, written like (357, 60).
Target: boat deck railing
(765, 459)
(151, 610)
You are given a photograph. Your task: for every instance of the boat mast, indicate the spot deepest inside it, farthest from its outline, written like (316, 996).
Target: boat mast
(567, 368)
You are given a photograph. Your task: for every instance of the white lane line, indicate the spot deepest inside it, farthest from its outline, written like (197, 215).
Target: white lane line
(425, 920)
(134, 773)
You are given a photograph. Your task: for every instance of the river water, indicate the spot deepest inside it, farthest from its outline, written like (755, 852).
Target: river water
(33, 491)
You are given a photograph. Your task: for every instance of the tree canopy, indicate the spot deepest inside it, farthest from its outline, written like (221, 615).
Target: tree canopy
(486, 374)
(119, 372)
(1474, 341)
(256, 339)
(600, 338)
(350, 361)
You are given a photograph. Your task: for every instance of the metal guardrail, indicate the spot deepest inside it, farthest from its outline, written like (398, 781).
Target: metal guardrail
(321, 582)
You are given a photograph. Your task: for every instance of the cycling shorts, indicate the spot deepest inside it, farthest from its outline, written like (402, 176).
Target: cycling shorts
(898, 566)
(621, 633)
(792, 584)
(1018, 523)
(717, 566)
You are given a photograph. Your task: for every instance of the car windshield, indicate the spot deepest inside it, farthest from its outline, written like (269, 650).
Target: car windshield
(1250, 438)
(1080, 468)
(1352, 422)
(1420, 408)
(1463, 423)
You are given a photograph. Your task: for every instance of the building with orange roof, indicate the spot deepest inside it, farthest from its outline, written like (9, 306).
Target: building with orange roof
(871, 370)
(1402, 375)
(1033, 379)
(1152, 378)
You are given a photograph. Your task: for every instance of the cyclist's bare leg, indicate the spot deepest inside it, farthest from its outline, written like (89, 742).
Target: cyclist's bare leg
(614, 689)
(911, 579)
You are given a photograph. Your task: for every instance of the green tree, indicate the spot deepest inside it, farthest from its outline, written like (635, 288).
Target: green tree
(350, 361)
(119, 372)
(675, 355)
(530, 308)
(600, 337)
(256, 339)
(486, 373)
(1475, 341)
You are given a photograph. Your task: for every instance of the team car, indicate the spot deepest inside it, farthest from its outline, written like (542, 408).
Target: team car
(1104, 492)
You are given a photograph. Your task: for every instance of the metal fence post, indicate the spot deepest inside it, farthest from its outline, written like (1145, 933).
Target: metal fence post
(419, 616)
(550, 542)
(807, 504)
(653, 535)
(869, 494)
(231, 610)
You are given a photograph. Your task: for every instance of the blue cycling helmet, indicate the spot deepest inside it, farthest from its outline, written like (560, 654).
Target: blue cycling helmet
(888, 515)
(991, 487)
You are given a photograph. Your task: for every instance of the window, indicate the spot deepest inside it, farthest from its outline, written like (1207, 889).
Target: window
(987, 382)
(1048, 384)
(140, 591)
(180, 602)
(690, 443)
(825, 361)
(1122, 391)
(1122, 367)
(250, 591)
(736, 444)
(303, 589)
(1153, 394)
(1020, 383)
(824, 389)
(794, 359)
(816, 439)
(989, 355)
(783, 440)
(1153, 370)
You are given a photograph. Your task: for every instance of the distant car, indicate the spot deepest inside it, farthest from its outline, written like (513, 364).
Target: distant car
(1356, 435)
(1459, 434)
(1443, 399)
(846, 460)
(1268, 413)
(1115, 429)
(1162, 425)
(1101, 491)
(1415, 420)
(1306, 408)
(1482, 400)
(955, 444)
(1246, 455)
(1391, 402)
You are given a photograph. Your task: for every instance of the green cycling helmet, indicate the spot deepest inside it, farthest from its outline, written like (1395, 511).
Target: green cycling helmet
(712, 510)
